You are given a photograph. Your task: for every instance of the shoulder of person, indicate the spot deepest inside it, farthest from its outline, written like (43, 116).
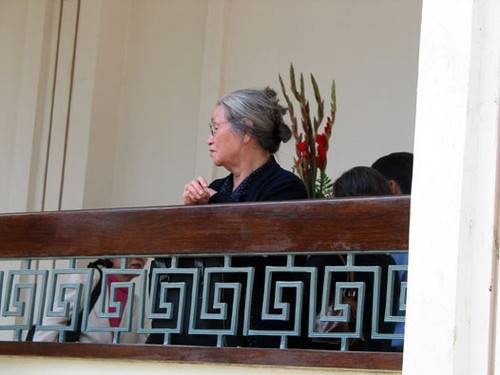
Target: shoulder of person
(279, 175)
(279, 185)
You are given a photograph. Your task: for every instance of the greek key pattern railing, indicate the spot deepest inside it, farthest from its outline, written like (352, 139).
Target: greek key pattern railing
(211, 297)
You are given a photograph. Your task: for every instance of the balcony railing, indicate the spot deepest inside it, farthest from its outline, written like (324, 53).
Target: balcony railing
(235, 283)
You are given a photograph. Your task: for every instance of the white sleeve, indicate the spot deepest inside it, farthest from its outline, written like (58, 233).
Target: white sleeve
(70, 295)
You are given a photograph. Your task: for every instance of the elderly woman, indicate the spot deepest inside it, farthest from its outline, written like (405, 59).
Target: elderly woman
(247, 128)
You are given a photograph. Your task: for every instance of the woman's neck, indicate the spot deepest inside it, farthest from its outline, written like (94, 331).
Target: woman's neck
(257, 161)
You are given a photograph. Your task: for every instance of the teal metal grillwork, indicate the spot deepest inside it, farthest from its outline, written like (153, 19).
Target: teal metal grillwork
(216, 301)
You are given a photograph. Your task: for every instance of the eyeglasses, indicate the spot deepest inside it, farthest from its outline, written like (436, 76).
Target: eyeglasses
(214, 127)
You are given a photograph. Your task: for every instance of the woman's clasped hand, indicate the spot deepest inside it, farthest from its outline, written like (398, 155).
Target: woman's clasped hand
(197, 192)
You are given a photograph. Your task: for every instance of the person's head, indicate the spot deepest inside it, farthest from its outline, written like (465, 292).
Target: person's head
(361, 181)
(397, 168)
(132, 263)
(244, 118)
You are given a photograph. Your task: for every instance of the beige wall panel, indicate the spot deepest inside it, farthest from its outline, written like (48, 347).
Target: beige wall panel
(95, 105)
(109, 65)
(45, 44)
(369, 47)
(27, 43)
(13, 16)
(211, 79)
(29, 106)
(156, 143)
(62, 105)
(83, 98)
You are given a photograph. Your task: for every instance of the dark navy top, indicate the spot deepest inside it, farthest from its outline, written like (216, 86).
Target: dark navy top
(267, 183)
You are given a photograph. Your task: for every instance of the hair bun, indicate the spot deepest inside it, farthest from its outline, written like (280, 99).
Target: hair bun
(271, 94)
(284, 132)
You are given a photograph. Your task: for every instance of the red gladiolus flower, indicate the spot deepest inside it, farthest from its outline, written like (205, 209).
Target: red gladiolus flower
(302, 147)
(321, 155)
(321, 139)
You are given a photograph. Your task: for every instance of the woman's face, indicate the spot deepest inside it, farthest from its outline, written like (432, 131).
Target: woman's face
(132, 263)
(225, 145)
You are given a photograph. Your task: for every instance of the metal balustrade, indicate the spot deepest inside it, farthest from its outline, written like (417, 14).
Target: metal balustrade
(222, 296)
(240, 283)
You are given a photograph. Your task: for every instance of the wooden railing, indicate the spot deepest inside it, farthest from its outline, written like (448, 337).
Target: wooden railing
(361, 224)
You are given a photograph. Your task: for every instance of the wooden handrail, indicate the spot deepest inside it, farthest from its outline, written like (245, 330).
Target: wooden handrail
(360, 224)
(283, 227)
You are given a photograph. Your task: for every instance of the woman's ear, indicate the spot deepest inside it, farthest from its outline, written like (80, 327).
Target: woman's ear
(246, 138)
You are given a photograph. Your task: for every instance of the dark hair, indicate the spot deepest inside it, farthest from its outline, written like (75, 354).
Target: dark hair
(397, 166)
(262, 108)
(361, 181)
(101, 262)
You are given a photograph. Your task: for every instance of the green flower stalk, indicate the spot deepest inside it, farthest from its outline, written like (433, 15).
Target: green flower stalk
(311, 145)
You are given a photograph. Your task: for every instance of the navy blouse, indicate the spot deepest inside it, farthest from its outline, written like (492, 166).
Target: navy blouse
(267, 183)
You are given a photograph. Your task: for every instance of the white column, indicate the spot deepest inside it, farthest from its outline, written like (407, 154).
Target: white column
(454, 198)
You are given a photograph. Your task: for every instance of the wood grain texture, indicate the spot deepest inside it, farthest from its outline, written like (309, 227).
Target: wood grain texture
(274, 357)
(283, 227)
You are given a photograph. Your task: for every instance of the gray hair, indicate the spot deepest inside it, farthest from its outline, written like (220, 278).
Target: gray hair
(261, 107)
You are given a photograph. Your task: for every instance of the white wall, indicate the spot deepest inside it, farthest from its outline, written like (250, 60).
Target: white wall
(370, 48)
